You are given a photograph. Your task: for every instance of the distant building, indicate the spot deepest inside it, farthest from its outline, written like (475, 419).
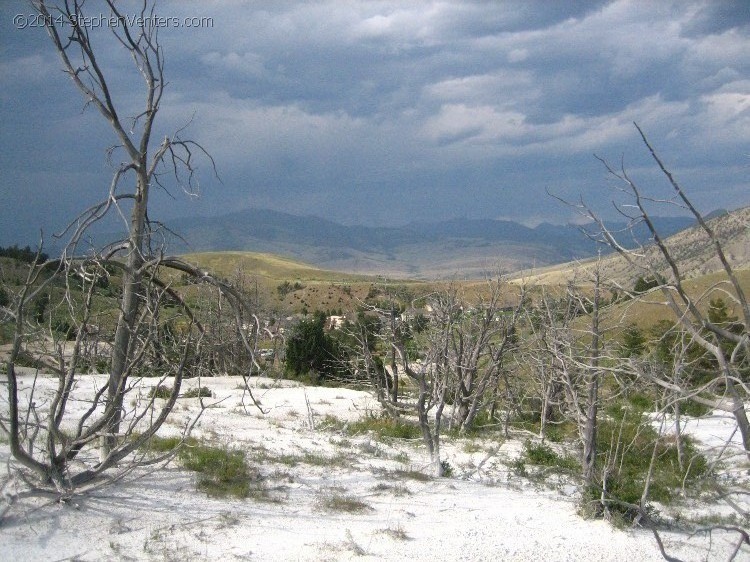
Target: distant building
(335, 322)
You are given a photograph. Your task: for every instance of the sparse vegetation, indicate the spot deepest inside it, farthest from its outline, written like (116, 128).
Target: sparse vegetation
(395, 489)
(341, 502)
(540, 454)
(384, 428)
(396, 533)
(198, 392)
(160, 391)
(410, 475)
(221, 471)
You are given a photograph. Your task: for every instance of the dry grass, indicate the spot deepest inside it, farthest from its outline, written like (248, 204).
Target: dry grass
(690, 248)
(650, 309)
(343, 502)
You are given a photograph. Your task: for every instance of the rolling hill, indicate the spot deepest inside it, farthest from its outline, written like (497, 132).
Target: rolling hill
(691, 249)
(461, 248)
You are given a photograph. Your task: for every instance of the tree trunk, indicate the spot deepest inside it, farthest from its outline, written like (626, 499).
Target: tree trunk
(130, 304)
(589, 432)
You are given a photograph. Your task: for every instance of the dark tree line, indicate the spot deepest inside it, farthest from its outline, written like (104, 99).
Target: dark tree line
(25, 254)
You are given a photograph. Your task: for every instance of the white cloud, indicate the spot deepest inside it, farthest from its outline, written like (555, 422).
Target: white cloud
(518, 55)
(326, 95)
(246, 63)
(478, 124)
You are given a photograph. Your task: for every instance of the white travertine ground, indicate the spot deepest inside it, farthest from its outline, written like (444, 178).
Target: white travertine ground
(483, 512)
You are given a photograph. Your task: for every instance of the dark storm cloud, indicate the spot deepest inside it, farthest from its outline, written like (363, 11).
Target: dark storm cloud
(386, 112)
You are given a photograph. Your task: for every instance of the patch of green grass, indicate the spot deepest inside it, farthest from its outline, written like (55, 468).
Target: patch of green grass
(641, 402)
(718, 519)
(694, 409)
(401, 457)
(344, 443)
(518, 466)
(332, 422)
(559, 432)
(159, 444)
(554, 431)
(222, 471)
(385, 428)
(472, 447)
(312, 459)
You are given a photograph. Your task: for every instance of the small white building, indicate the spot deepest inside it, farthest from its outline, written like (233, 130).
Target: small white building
(335, 322)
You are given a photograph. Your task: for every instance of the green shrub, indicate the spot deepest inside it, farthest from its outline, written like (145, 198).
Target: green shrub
(640, 402)
(626, 445)
(518, 466)
(164, 444)
(6, 333)
(529, 419)
(410, 475)
(160, 391)
(446, 468)
(64, 328)
(198, 392)
(694, 409)
(540, 454)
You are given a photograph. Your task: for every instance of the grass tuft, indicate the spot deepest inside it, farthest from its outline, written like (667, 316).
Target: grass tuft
(222, 472)
(345, 503)
(385, 428)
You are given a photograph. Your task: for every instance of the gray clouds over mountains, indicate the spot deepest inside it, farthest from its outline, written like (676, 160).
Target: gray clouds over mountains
(384, 113)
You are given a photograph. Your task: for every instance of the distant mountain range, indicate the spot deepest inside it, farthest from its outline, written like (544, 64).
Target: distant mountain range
(462, 248)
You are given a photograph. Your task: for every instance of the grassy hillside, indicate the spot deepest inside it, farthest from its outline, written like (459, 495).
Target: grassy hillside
(651, 309)
(691, 249)
(269, 266)
(286, 286)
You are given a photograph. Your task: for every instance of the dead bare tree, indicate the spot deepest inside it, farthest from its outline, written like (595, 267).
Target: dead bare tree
(456, 360)
(727, 389)
(480, 343)
(54, 445)
(432, 372)
(574, 352)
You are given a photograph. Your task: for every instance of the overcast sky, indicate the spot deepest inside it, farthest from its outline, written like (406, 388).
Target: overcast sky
(389, 112)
